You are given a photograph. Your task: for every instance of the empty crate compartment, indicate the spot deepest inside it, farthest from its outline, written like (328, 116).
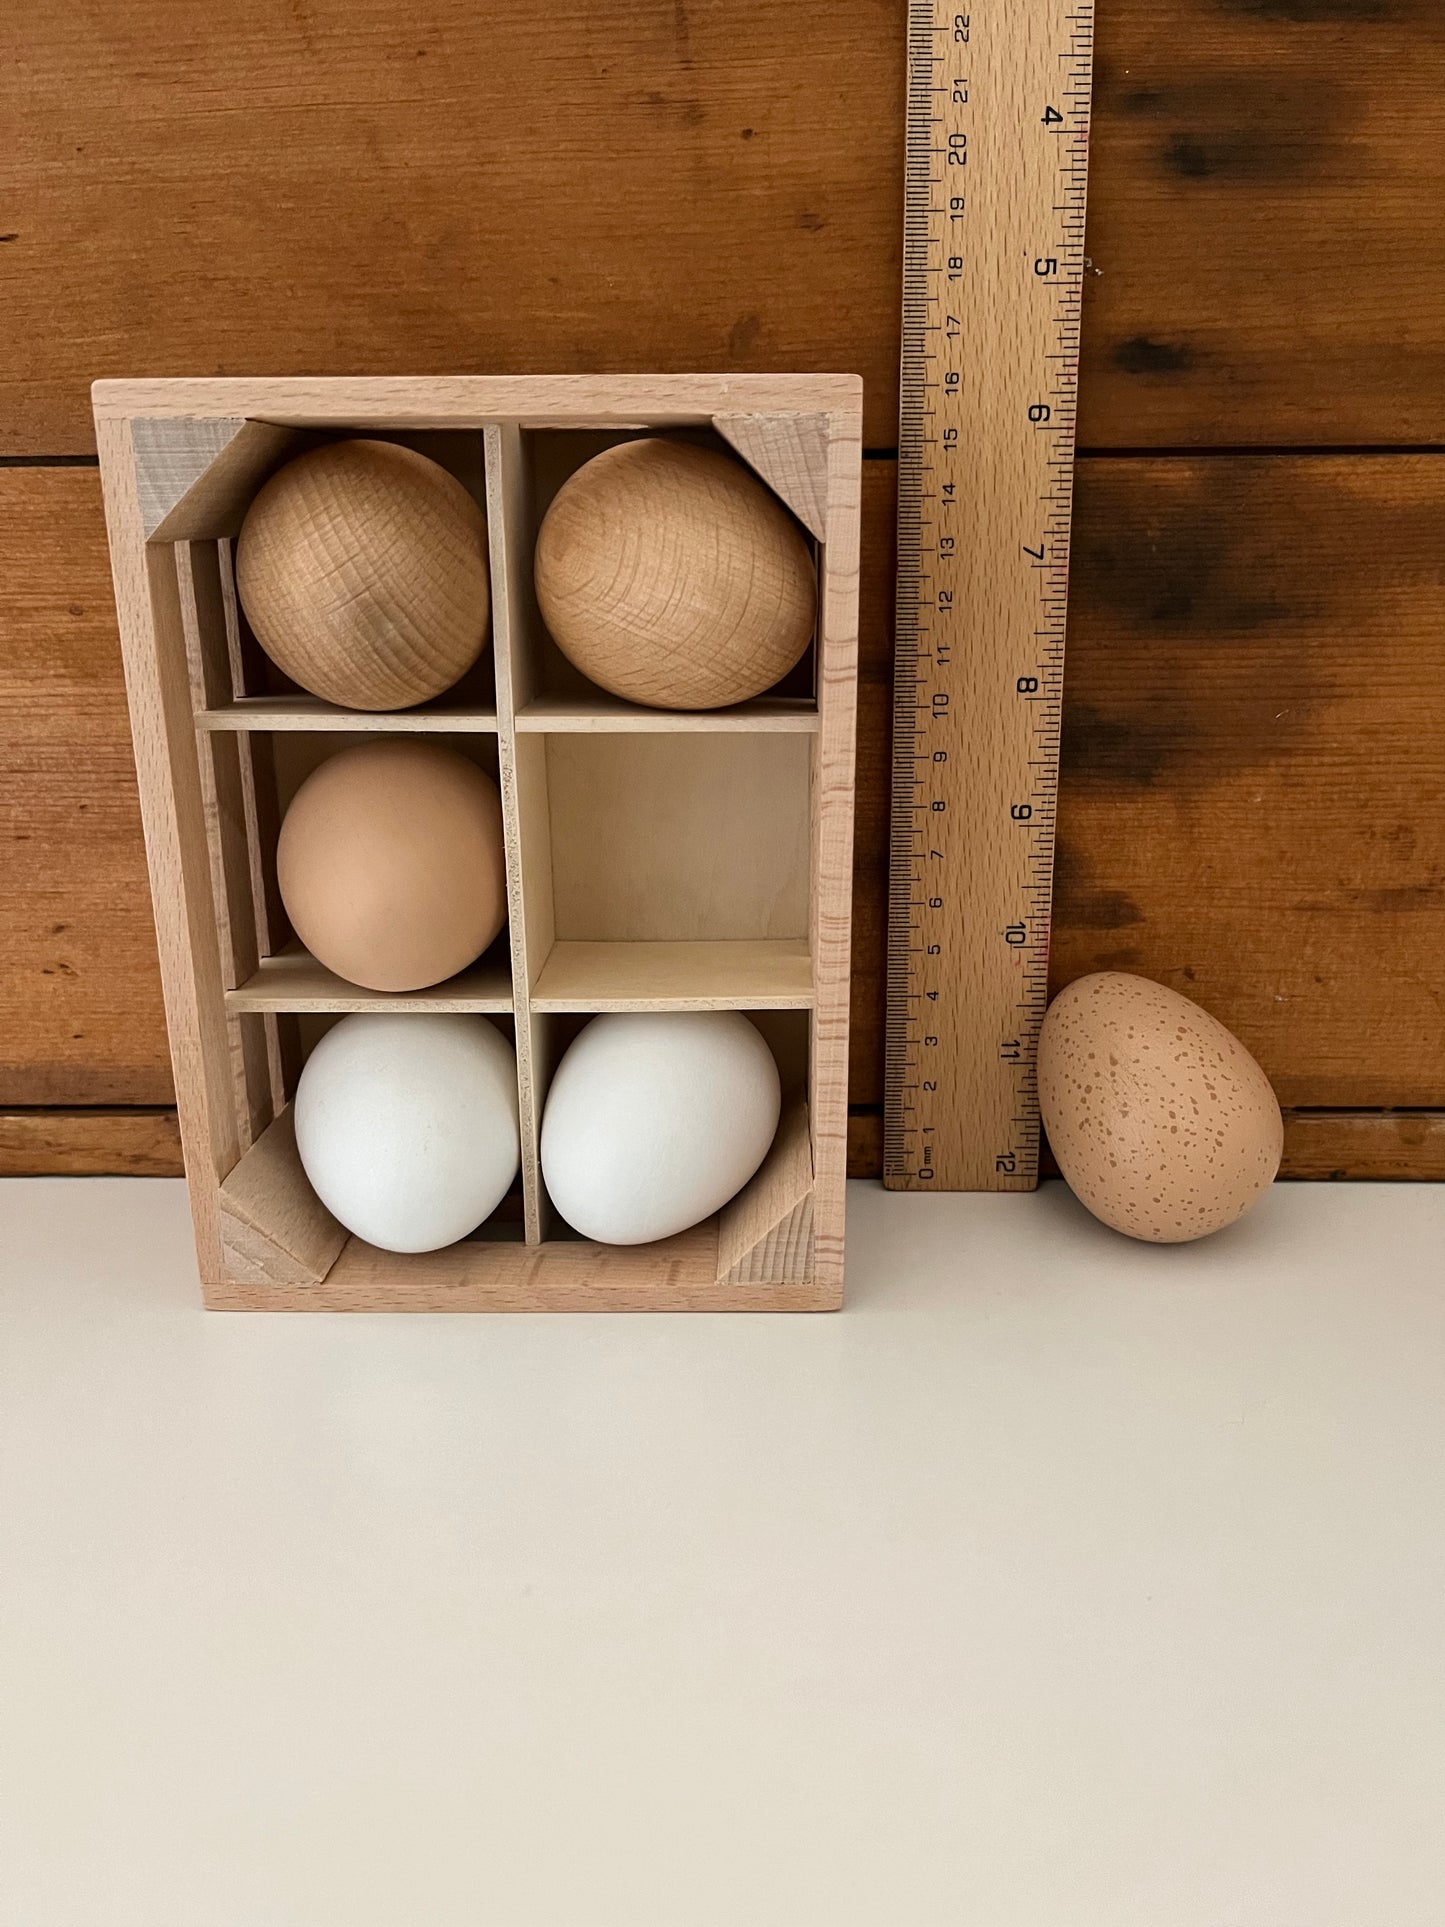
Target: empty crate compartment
(665, 871)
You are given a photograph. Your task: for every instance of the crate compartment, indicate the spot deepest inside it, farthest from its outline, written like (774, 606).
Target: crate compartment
(782, 1186)
(285, 975)
(667, 838)
(552, 693)
(505, 1224)
(666, 872)
(252, 693)
(275, 1229)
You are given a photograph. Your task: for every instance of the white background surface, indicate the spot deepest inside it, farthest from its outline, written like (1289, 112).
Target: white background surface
(1059, 1582)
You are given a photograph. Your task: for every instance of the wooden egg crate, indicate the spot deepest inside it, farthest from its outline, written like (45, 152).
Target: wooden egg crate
(655, 860)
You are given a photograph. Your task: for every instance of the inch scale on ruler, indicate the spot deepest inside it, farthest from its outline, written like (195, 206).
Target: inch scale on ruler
(993, 267)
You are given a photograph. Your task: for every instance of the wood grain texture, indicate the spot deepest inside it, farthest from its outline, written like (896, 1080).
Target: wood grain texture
(1265, 181)
(790, 452)
(158, 691)
(81, 1020)
(90, 1143)
(406, 178)
(765, 1234)
(830, 909)
(1390, 1145)
(196, 478)
(1318, 539)
(96, 1142)
(1253, 802)
(229, 801)
(871, 799)
(676, 1274)
(1264, 194)
(404, 408)
(273, 1225)
(526, 825)
(1254, 760)
(1327, 1145)
(1267, 266)
(994, 270)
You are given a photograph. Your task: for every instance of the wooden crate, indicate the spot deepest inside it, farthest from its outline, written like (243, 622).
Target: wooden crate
(655, 860)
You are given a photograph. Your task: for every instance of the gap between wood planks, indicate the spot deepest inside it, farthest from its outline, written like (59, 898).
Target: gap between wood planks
(1142, 452)
(142, 1141)
(1382, 1145)
(139, 1141)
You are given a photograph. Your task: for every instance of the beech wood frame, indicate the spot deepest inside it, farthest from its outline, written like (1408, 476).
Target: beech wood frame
(180, 461)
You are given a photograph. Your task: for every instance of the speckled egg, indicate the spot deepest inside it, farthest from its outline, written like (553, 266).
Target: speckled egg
(1161, 1121)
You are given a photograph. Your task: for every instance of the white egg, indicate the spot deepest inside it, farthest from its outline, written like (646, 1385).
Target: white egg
(654, 1120)
(407, 1126)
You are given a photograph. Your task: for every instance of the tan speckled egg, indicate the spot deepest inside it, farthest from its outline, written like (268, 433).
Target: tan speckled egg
(1161, 1121)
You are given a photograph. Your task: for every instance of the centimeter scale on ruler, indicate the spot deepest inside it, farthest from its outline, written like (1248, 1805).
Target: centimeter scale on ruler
(998, 118)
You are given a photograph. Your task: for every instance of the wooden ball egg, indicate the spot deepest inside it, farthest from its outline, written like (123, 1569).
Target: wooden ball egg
(1161, 1121)
(672, 577)
(362, 568)
(406, 1126)
(391, 866)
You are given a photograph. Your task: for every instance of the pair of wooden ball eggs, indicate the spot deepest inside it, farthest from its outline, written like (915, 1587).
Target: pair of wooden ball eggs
(668, 574)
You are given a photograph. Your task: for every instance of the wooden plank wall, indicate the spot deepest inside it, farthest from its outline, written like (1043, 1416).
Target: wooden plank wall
(1255, 730)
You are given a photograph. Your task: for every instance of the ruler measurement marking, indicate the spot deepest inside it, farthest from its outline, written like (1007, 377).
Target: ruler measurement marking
(993, 276)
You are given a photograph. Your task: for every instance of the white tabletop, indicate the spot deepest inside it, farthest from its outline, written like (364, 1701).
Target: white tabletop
(1058, 1582)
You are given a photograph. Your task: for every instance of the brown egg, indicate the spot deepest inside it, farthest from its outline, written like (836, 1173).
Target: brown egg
(362, 568)
(1161, 1121)
(671, 576)
(391, 866)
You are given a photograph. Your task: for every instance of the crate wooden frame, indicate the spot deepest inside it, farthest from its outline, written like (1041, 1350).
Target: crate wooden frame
(180, 461)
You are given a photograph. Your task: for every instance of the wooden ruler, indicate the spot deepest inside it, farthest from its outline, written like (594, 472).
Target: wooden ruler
(998, 122)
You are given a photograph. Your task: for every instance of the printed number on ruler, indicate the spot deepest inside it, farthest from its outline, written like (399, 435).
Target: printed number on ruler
(998, 116)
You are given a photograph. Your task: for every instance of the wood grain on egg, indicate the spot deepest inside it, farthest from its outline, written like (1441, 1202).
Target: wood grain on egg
(1161, 1121)
(362, 568)
(672, 577)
